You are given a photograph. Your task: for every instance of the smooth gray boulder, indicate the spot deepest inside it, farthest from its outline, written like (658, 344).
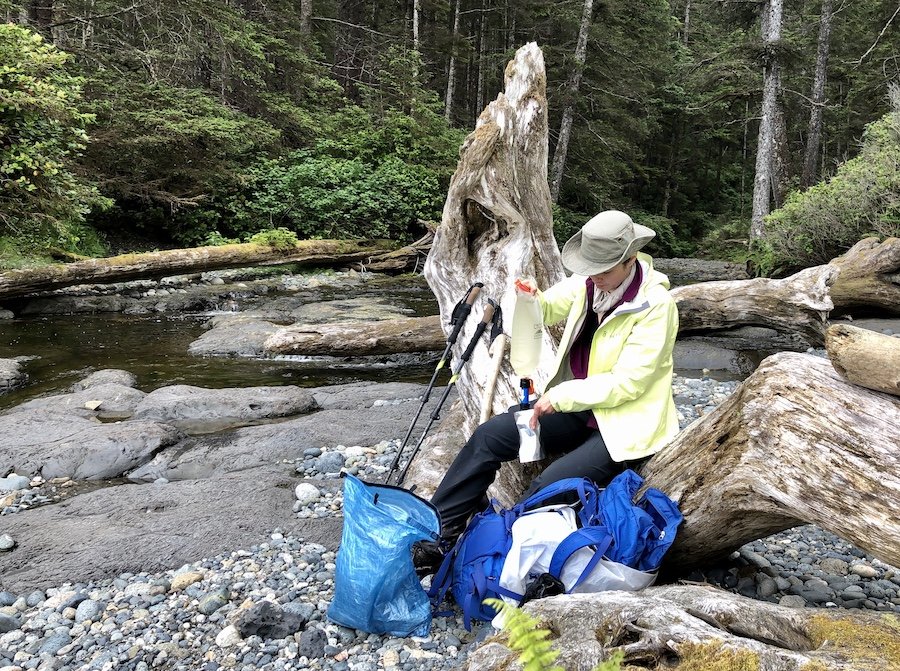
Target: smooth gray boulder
(371, 394)
(107, 400)
(56, 444)
(367, 423)
(202, 410)
(153, 527)
(11, 375)
(106, 376)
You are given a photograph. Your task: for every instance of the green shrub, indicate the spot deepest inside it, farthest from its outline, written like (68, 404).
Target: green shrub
(337, 198)
(667, 243)
(861, 200)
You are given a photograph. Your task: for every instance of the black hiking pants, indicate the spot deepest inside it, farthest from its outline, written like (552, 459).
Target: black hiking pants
(463, 490)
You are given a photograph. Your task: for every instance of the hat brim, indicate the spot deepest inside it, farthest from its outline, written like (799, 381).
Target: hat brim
(575, 263)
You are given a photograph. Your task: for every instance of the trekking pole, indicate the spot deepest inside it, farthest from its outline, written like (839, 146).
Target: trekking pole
(435, 415)
(457, 319)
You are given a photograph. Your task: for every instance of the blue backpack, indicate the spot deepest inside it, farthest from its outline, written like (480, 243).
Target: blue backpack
(635, 535)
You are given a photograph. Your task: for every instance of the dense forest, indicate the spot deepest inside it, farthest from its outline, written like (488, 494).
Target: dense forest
(729, 126)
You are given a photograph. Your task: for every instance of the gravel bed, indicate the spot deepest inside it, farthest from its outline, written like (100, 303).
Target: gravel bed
(264, 607)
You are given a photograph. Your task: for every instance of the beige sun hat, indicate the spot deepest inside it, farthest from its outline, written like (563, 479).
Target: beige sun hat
(603, 242)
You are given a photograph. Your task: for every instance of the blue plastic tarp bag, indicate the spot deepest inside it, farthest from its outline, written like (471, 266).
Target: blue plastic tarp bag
(376, 588)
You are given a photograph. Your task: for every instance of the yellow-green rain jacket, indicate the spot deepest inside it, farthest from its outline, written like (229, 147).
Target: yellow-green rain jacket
(629, 380)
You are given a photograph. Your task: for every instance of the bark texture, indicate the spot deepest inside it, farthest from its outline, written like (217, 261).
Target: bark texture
(358, 338)
(794, 444)
(700, 627)
(14, 283)
(817, 111)
(764, 182)
(866, 358)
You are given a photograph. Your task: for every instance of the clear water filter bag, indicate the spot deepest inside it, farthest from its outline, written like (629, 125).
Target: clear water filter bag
(527, 331)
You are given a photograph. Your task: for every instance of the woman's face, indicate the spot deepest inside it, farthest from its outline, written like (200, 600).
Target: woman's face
(613, 277)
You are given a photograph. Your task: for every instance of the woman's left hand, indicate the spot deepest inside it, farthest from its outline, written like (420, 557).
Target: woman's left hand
(542, 407)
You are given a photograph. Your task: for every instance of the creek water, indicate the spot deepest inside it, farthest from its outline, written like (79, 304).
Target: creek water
(67, 348)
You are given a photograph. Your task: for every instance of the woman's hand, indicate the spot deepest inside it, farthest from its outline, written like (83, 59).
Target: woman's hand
(542, 407)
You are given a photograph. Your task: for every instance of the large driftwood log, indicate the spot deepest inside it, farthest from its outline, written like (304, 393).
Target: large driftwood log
(696, 627)
(866, 358)
(798, 304)
(28, 281)
(358, 338)
(794, 444)
(869, 277)
(496, 225)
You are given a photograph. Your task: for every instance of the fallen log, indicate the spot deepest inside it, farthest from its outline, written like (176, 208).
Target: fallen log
(698, 627)
(796, 305)
(869, 278)
(864, 357)
(358, 338)
(408, 258)
(794, 444)
(29, 281)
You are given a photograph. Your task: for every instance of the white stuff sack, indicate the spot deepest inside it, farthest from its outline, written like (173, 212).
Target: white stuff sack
(535, 537)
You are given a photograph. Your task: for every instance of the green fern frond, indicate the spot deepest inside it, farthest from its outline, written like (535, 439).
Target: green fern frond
(614, 663)
(525, 638)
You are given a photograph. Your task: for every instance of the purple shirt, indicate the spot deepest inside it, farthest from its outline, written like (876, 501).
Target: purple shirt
(580, 354)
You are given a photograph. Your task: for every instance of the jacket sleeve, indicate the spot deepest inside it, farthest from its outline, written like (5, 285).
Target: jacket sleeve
(647, 349)
(557, 300)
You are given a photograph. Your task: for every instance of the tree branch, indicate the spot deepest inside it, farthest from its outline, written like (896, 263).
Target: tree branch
(877, 39)
(88, 19)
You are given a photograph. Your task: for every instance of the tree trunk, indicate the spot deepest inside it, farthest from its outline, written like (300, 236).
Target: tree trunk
(14, 283)
(479, 82)
(814, 134)
(565, 125)
(409, 258)
(305, 16)
(40, 16)
(700, 627)
(866, 358)
(764, 181)
(359, 338)
(416, 10)
(687, 22)
(451, 67)
(794, 444)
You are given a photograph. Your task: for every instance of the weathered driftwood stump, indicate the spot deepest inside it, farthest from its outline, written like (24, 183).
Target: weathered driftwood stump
(866, 358)
(702, 628)
(794, 444)
(496, 226)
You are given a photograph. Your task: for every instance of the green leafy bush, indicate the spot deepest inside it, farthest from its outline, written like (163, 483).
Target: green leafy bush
(337, 197)
(42, 132)
(861, 200)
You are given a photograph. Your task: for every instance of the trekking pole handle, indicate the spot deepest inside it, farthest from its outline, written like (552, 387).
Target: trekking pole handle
(482, 325)
(464, 309)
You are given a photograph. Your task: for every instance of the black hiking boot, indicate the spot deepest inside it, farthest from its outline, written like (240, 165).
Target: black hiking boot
(427, 557)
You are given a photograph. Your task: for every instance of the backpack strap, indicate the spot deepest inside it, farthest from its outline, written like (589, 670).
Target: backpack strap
(597, 536)
(585, 489)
